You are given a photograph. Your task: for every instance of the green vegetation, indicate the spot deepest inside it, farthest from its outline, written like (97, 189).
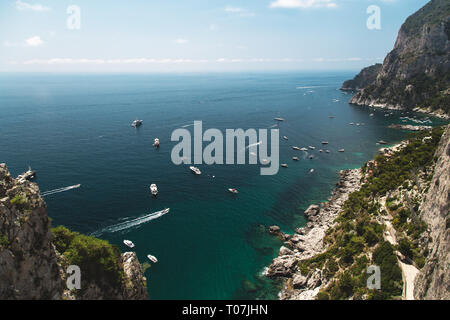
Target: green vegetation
(4, 242)
(98, 259)
(20, 201)
(430, 15)
(357, 232)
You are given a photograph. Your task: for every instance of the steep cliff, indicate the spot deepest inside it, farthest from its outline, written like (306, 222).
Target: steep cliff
(433, 282)
(416, 73)
(366, 77)
(34, 258)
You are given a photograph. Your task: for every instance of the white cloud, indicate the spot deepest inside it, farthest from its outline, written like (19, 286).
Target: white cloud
(181, 41)
(35, 41)
(303, 4)
(20, 5)
(241, 12)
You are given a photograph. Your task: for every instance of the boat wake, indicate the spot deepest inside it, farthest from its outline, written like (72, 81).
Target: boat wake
(50, 192)
(131, 223)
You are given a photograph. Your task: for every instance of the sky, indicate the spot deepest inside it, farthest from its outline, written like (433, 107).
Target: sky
(196, 35)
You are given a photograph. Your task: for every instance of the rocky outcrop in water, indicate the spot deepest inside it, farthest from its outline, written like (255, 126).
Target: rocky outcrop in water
(416, 73)
(433, 281)
(30, 265)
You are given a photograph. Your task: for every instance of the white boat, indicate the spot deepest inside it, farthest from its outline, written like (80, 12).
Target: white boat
(320, 150)
(279, 119)
(304, 149)
(342, 150)
(311, 171)
(371, 114)
(285, 138)
(284, 165)
(351, 123)
(152, 258)
(28, 175)
(128, 243)
(232, 190)
(327, 151)
(156, 143)
(153, 189)
(195, 170)
(136, 123)
(296, 148)
(324, 142)
(312, 148)
(311, 157)
(295, 159)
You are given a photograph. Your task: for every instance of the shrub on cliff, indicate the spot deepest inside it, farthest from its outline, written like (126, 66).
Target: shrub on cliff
(98, 260)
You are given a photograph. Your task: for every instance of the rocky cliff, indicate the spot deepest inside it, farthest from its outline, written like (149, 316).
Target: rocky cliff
(433, 282)
(416, 73)
(31, 266)
(366, 77)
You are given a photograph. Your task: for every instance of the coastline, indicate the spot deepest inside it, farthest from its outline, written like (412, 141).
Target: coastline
(307, 241)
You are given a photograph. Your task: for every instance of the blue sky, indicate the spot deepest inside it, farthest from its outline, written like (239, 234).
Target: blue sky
(197, 35)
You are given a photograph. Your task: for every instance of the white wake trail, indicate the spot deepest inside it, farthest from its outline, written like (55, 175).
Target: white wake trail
(131, 223)
(50, 192)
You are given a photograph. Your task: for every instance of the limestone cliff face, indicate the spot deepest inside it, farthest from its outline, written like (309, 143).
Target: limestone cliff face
(366, 77)
(433, 282)
(31, 267)
(415, 74)
(28, 261)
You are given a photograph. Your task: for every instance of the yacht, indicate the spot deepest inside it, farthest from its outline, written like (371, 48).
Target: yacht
(312, 148)
(279, 119)
(342, 150)
(296, 148)
(285, 138)
(284, 165)
(304, 149)
(128, 243)
(311, 171)
(136, 123)
(156, 143)
(195, 170)
(232, 190)
(295, 159)
(28, 175)
(382, 142)
(324, 142)
(154, 189)
(327, 151)
(152, 258)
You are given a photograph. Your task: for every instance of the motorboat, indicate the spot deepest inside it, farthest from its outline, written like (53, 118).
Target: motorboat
(137, 123)
(279, 119)
(195, 170)
(285, 138)
(232, 190)
(152, 258)
(296, 148)
(284, 165)
(312, 148)
(324, 142)
(382, 142)
(295, 159)
(28, 175)
(154, 189)
(342, 150)
(304, 149)
(156, 143)
(128, 243)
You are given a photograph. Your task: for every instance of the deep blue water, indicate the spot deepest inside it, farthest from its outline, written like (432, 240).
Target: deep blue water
(75, 128)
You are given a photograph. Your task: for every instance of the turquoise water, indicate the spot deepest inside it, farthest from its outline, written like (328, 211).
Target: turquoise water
(75, 128)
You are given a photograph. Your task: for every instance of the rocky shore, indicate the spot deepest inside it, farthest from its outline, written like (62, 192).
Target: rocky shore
(308, 241)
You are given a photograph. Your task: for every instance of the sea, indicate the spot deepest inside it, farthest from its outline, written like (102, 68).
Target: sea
(76, 129)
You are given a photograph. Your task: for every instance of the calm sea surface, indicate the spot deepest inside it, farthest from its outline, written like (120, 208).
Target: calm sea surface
(75, 129)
